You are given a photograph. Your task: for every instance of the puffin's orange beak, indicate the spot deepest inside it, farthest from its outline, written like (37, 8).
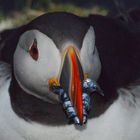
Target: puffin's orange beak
(75, 90)
(71, 80)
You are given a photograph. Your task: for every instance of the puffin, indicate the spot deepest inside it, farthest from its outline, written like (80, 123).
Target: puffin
(52, 69)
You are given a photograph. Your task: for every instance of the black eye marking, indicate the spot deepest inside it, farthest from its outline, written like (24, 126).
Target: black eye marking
(33, 50)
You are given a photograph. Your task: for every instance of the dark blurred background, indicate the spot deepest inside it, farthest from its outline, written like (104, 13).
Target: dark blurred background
(12, 5)
(17, 12)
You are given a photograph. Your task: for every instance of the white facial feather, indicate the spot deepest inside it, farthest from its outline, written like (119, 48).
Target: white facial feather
(33, 75)
(89, 55)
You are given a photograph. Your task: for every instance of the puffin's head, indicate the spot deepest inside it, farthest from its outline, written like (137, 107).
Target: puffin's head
(56, 46)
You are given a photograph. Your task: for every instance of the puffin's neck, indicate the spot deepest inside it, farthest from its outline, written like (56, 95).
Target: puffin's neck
(31, 108)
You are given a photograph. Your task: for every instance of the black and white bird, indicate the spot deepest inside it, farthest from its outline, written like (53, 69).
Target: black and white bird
(67, 48)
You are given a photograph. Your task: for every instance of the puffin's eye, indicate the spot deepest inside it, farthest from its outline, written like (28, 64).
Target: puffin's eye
(33, 50)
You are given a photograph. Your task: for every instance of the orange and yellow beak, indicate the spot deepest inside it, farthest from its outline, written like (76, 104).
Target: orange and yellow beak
(71, 78)
(75, 89)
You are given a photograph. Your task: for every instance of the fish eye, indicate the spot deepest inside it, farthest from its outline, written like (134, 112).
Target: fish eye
(33, 50)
